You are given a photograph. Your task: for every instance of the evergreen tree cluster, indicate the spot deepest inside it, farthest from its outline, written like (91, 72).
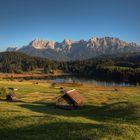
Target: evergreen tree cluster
(13, 62)
(126, 67)
(108, 67)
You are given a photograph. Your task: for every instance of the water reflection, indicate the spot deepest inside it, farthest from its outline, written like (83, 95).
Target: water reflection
(82, 80)
(89, 81)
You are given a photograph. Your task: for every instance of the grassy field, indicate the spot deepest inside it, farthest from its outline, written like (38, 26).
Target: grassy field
(108, 114)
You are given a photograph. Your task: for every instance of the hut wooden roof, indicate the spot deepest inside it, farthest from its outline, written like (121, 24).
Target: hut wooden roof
(12, 94)
(75, 96)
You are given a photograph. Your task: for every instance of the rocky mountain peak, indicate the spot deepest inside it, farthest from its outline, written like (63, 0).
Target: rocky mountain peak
(93, 39)
(38, 44)
(67, 42)
(74, 50)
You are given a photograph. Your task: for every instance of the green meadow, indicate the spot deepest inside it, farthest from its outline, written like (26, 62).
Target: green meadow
(109, 113)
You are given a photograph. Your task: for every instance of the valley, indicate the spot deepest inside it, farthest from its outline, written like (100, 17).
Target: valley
(110, 110)
(69, 69)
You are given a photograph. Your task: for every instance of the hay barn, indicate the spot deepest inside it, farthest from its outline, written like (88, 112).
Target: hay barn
(11, 97)
(70, 100)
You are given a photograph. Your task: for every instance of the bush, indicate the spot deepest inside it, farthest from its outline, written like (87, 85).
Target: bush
(19, 71)
(3, 92)
(53, 85)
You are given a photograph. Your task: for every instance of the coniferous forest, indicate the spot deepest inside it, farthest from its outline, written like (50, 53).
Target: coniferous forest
(13, 62)
(123, 67)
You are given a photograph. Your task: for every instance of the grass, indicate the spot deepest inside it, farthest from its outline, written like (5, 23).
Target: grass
(107, 115)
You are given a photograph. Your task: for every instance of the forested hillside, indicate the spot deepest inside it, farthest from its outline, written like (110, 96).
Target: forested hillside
(17, 62)
(123, 67)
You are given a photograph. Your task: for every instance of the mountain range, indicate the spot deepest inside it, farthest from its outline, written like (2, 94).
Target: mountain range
(77, 50)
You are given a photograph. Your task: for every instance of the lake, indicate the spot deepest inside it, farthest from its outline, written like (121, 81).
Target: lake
(83, 80)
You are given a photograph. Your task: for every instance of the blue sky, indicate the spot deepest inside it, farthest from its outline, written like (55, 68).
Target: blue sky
(24, 20)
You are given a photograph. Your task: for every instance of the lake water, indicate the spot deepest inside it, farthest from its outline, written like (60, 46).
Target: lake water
(97, 82)
(83, 80)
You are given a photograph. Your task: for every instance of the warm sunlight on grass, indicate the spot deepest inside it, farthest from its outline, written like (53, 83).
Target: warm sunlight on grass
(109, 113)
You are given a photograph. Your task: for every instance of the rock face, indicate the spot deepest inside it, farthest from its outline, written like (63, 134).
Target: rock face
(75, 50)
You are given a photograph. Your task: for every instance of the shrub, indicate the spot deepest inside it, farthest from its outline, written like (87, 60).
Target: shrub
(53, 85)
(3, 92)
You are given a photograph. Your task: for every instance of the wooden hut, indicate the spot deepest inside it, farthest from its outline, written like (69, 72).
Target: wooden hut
(70, 100)
(11, 96)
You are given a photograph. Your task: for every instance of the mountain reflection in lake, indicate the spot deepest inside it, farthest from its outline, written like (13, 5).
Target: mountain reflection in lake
(83, 80)
(89, 81)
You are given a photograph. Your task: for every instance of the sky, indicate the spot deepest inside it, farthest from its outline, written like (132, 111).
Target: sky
(22, 21)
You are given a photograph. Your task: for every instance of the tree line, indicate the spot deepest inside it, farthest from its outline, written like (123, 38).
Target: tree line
(15, 62)
(125, 67)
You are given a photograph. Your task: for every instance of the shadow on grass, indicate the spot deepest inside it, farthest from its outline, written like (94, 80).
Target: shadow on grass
(115, 111)
(15, 101)
(61, 131)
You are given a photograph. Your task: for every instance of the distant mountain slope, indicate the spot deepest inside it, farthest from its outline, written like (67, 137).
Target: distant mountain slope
(77, 50)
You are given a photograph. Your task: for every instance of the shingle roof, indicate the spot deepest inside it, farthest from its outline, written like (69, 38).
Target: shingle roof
(12, 94)
(75, 96)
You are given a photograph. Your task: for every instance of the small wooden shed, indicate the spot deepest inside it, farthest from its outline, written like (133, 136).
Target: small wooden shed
(70, 100)
(11, 96)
